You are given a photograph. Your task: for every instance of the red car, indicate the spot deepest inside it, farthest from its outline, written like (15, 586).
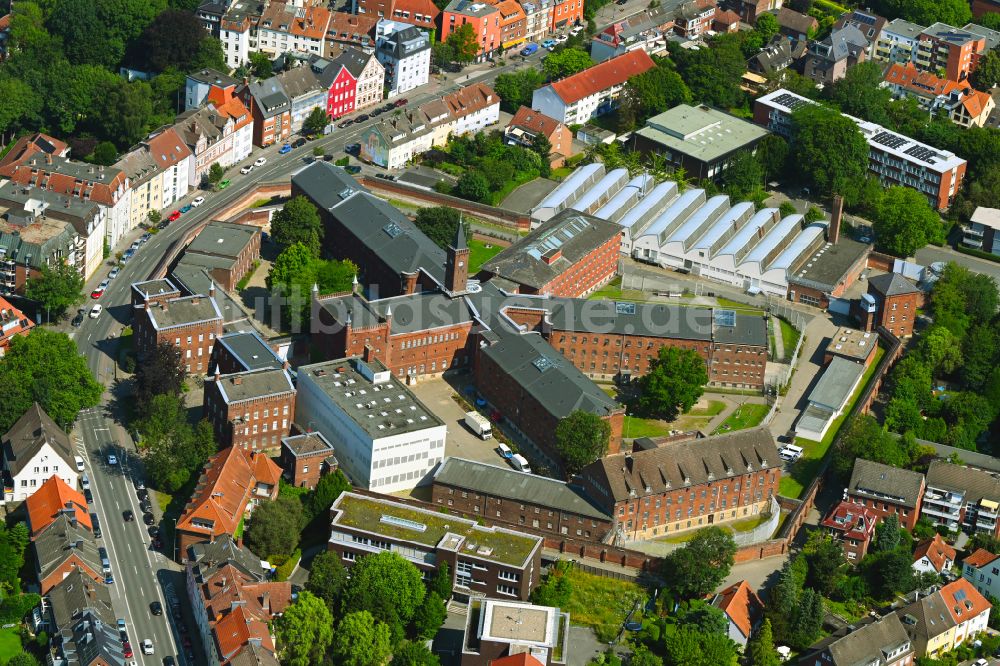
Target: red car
(127, 648)
(97, 293)
(174, 216)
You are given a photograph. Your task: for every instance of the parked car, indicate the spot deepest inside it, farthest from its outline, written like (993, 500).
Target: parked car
(99, 290)
(197, 201)
(96, 311)
(401, 102)
(352, 148)
(114, 273)
(562, 38)
(146, 236)
(127, 650)
(285, 149)
(224, 184)
(154, 531)
(139, 484)
(148, 519)
(549, 43)
(89, 496)
(247, 169)
(345, 123)
(78, 319)
(389, 107)
(174, 216)
(186, 208)
(530, 49)
(299, 143)
(260, 161)
(353, 170)
(127, 255)
(79, 463)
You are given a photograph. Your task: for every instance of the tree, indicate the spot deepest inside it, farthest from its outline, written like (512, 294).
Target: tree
(515, 88)
(304, 630)
(675, 381)
(703, 563)
(316, 121)
(162, 371)
(714, 74)
(904, 222)
(760, 649)
(941, 349)
(294, 273)
(85, 37)
(327, 578)
(472, 185)
(889, 572)
(23, 659)
(274, 527)
(766, 26)
(261, 65)
(175, 39)
(57, 288)
(298, 222)
(441, 581)
(328, 489)
(429, 617)
(566, 62)
(685, 646)
(807, 623)
(926, 12)
(463, 44)
(175, 450)
(387, 586)
(126, 110)
(825, 558)
(45, 367)
(556, 589)
(864, 437)
(887, 536)
(215, 175)
(641, 656)
(105, 153)
(987, 73)
(772, 153)
(439, 223)
(360, 640)
(581, 438)
(828, 149)
(786, 208)
(860, 92)
(744, 176)
(654, 90)
(412, 653)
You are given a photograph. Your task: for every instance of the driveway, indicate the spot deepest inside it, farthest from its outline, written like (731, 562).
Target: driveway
(930, 254)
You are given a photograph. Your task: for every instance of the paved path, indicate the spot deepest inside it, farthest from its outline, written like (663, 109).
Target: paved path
(779, 345)
(930, 254)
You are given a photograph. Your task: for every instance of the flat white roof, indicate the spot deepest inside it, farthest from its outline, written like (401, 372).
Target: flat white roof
(988, 217)
(722, 225)
(746, 234)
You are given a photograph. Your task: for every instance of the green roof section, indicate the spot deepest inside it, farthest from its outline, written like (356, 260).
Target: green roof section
(432, 529)
(701, 131)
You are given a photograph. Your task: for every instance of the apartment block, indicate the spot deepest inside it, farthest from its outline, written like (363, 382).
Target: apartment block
(33, 450)
(507, 633)
(484, 19)
(983, 230)
(405, 53)
(962, 498)
(251, 410)
(886, 490)
(491, 562)
(191, 323)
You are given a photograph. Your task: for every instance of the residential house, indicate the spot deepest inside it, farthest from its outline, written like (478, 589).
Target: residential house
(55, 174)
(725, 21)
(795, 25)
(13, 323)
(221, 132)
(234, 603)
(869, 24)
(891, 302)
(982, 569)
(52, 499)
(647, 30)
(565, 14)
(421, 14)
(80, 619)
(368, 74)
(743, 608)
(933, 555)
(350, 30)
(694, 18)
(982, 230)
(592, 92)
(231, 484)
(527, 124)
(779, 55)
(886, 490)
(250, 410)
(271, 110)
(293, 26)
(853, 526)
(512, 633)
(33, 144)
(386, 441)
(537, 19)
(941, 621)
(159, 171)
(238, 32)
(518, 499)
(34, 450)
(306, 457)
(191, 323)
(883, 642)
(963, 105)
(473, 108)
(749, 10)
(938, 47)
(897, 42)
(484, 19)
(962, 498)
(492, 562)
(65, 546)
(405, 54)
(686, 485)
(513, 23)
(308, 87)
(828, 59)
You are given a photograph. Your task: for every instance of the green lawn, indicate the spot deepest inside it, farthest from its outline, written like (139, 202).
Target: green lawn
(637, 427)
(747, 416)
(736, 305)
(10, 644)
(714, 408)
(805, 468)
(560, 173)
(479, 254)
(600, 602)
(789, 338)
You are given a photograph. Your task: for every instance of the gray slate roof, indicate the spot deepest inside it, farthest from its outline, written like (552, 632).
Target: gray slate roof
(421, 311)
(405, 43)
(210, 557)
(839, 44)
(877, 481)
(748, 330)
(892, 284)
(561, 388)
(651, 319)
(270, 97)
(184, 310)
(572, 233)
(353, 60)
(241, 386)
(926, 617)
(223, 239)
(510, 484)
(681, 464)
(27, 436)
(60, 540)
(868, 642)
(250, 350)
(77, 593)
(975, 484)
(835, 386)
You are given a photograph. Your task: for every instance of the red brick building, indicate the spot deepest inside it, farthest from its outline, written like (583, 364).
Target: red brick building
(686, 485)
(571, 255)
(191, 323)
(485, 22)
(225, 250)
(271, 108)
(854, 526)
(251, 410)
(232, 482)
(749, 10)
(306, 457)
(891, 302)
(153, 291)
(242, 351)
(886, 490)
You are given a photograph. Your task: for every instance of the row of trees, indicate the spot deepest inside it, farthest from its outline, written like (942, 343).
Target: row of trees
(489, 165)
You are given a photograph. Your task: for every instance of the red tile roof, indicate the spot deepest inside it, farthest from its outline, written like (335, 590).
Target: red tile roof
(413, 8)
(52, 498)
(980, 558)
(853, 520)
(12, 322)
(236, 629)
(607, 74)
(937, 551)
(534, 121)
(168, 148)
(522, 659)
(741, 604)
(470, 99)
(964, 602)
(27, 146)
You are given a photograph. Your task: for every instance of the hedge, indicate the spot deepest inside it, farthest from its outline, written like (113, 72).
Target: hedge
(13, 609)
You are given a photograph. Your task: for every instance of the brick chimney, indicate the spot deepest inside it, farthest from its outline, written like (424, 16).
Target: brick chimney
(836, 213)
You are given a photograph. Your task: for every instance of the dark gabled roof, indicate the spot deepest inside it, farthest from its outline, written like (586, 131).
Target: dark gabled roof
(254, 384)
(405, 43)
(249, 350)
(27, 436)
(678, 465)
(421, 311)
(869, 642)
(892, 284)
(61, 540)
(269, 96)
(209, 557)
(974, 484)
(76, 594)
(353, 60)
(882, 482)
(542, 372)
(518, 486)
(647, 319)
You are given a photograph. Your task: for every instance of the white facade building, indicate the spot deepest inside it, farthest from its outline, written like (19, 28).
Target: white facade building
(386, 440)
(405, 53)
(592, 92)
(34, 450)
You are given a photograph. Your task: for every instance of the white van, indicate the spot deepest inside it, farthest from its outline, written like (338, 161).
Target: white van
(505, 451)
(790, 452)
(520, 463)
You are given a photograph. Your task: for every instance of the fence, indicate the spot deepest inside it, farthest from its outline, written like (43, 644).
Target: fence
(507, 218)
(763, 531)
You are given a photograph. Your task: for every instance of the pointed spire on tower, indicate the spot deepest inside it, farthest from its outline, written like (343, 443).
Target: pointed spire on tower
(460, 243)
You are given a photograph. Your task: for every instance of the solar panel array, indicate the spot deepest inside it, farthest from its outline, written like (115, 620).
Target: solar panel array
(725, 318)
(543, 363)
(790, 101)
(392, 229)
(625, 308)
(889, 139)
(922, 153)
